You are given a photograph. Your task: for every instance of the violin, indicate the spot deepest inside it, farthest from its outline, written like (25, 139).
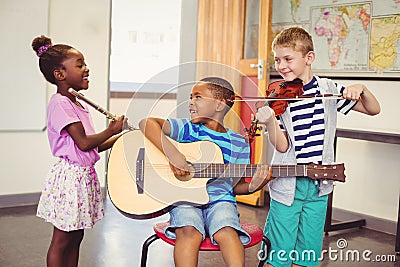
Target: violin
(286, 90)
(279, 93)
(276, 90)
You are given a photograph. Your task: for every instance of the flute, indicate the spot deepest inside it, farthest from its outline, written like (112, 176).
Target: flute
(108, 114)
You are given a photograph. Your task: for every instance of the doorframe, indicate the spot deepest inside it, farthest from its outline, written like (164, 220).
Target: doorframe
(264, 47)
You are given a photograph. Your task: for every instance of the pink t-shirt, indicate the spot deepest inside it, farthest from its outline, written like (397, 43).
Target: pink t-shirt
(61, 111)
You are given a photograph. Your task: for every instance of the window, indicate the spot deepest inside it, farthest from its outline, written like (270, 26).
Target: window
(145, 38)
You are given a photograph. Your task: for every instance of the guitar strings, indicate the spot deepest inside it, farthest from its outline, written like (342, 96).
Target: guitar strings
(231, 166)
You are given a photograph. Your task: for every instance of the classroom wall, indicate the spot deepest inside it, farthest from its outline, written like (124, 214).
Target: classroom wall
(26, 156)
(163, 108)
(372, 169)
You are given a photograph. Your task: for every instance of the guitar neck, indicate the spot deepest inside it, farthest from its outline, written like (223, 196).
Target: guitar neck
(214, 170)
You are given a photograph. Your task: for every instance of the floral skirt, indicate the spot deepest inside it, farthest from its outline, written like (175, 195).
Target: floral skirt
(71, 198)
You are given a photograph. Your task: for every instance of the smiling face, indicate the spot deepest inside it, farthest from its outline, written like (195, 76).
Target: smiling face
(294, 53)
(292, 64)
(75, 70)
(205, 108)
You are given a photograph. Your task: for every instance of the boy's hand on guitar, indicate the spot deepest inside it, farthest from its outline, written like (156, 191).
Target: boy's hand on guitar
(260, 178)
(179, 166)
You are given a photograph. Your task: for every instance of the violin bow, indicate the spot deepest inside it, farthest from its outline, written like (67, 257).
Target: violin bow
(266, 98)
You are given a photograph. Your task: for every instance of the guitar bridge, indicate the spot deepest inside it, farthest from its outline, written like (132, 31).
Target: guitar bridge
(140, 171)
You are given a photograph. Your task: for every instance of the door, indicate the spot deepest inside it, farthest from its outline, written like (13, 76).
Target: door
(222, 39)
(254, 67)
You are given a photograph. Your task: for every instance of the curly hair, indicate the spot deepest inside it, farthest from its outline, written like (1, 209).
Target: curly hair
(220, 89)
(50, 59)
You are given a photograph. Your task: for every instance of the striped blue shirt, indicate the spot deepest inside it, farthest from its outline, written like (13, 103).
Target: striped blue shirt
(234, 148)
(308, 123)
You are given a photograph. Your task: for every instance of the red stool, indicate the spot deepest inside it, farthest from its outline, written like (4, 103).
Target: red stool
(255, 232)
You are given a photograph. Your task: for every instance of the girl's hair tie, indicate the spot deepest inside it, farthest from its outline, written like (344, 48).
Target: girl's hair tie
(43, 50)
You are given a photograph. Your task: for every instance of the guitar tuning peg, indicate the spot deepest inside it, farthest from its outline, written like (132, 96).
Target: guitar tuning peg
(325, 182)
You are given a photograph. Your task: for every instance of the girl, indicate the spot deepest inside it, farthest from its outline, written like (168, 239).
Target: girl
(71, 199)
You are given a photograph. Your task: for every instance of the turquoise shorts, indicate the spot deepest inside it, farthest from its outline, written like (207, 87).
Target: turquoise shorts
(296, 231)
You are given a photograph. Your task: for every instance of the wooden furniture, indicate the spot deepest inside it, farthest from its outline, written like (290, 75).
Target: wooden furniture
(255, 232)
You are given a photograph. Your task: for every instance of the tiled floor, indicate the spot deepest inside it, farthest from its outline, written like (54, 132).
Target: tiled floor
(116, 241)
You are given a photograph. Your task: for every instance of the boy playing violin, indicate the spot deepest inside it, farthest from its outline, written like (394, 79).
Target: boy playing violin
(303, 134)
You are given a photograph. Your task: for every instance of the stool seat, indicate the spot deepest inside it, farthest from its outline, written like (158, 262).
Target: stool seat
(255, 232)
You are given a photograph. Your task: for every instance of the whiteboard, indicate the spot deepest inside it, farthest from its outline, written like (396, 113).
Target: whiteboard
(23, 87)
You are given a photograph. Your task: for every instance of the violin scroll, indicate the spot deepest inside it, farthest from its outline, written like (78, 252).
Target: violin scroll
(251, 132)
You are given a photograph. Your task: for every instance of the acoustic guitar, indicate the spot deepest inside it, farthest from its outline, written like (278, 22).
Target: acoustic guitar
(141, 184)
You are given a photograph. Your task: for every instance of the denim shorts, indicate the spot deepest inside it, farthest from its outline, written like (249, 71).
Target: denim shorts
(207, 220)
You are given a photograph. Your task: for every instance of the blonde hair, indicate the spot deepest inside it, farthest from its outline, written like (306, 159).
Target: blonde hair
(296, 38)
